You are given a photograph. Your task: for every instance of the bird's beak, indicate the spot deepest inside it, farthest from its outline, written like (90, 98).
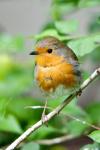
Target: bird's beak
(34, 53)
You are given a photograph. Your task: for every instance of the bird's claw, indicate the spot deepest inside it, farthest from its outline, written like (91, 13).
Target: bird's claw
(44, 119)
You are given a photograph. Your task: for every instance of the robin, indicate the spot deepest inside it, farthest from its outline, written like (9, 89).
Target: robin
(55, 65)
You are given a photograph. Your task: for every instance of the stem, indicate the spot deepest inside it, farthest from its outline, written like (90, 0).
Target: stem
(55, 140)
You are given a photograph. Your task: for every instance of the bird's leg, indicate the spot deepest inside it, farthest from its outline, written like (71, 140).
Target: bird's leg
(44, 117)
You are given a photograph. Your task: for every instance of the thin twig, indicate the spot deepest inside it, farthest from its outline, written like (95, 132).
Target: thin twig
(95, 74)
(81, 121)
(37, 107)
(55, 140)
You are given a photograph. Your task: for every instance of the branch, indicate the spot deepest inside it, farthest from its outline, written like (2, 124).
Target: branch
(95, 74)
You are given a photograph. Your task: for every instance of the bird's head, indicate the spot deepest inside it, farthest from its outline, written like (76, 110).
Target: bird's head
(48, 51)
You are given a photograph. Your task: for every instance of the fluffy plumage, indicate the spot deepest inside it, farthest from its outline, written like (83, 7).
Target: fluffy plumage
(59, 67)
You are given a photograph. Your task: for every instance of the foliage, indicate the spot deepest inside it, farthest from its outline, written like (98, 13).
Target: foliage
(94, 146)
(83, 46)
(30, 146)
(95, 135)
(11, 44)
(16, 83)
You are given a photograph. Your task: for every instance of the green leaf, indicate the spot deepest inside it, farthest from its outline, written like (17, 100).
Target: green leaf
(88, 3)
(76, 128)
(11, 44)
(14, 79)
(10, 124)
(74, 109)
(56, 101)
(85, 45)
(18, 108)
(94, 110)
(94, 146)
(5, 138)
(95, 136)
(94, 25)
(66, 27)
(85, 75)
(59, 10)
(95, 56)
(50, 32)
(6, 66)
(30, 146)
(65, 1)
(49, 132)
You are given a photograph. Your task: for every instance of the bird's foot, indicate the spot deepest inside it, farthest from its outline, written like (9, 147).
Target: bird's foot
(44, 119)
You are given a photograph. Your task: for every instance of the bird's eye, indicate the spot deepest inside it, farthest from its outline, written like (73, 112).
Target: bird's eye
(49, 50)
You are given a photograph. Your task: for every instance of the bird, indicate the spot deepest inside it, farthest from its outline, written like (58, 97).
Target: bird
(56, 65)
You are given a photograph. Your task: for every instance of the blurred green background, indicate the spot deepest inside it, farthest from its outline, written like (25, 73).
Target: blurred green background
(22, 23)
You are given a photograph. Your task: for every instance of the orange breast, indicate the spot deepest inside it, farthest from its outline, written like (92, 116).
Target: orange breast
(49, 78)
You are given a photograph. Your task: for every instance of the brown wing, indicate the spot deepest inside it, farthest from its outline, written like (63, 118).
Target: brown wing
(71, 54)
(72, 58)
